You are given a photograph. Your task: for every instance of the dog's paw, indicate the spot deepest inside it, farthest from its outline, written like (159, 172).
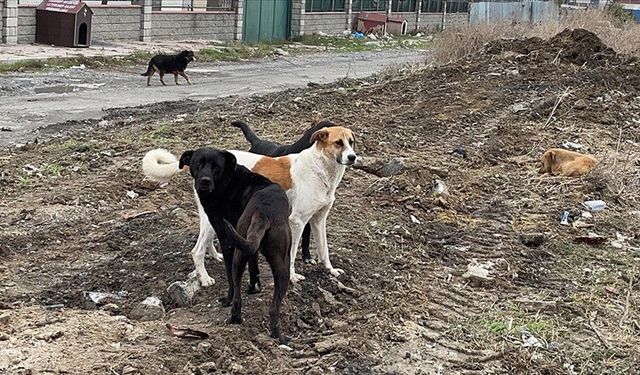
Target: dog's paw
(234, 320)
(336, 271)
(296, 277)
(224, 301)
(282, 339)
(206, 280)
(254, 288)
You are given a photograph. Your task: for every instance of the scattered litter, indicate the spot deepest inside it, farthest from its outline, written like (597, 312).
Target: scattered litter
(358, 35)
(586, 215)
(618, 243)
(478, 270)
(518, 107)
(439, 187)
(530, 341)
(595, 205)
(572, 146)
(581, 223)
(415, 220)
(459, 152)
(591, 239)
(280, 52)
(132, 194)
(565, 218)
(5, 129)
(186, 333)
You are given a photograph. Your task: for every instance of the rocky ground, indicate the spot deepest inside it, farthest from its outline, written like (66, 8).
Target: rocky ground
(458, 266)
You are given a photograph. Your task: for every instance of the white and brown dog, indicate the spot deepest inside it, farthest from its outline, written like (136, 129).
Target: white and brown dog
(310, 179)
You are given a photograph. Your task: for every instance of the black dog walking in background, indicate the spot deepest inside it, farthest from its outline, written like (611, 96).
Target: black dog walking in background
(232, 195)
(174, 64)
(273, 149)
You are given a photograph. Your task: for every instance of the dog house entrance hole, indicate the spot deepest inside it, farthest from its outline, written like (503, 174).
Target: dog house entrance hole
(82, 34)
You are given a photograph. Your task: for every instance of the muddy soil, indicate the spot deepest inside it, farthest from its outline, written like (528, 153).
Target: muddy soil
(481, 279)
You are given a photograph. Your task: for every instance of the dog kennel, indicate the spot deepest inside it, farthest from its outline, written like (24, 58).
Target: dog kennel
(64, 23)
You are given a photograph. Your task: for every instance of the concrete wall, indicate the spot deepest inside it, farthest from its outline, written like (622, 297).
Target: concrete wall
(330, 23)
(26, 24)
(193, 25)
(116, 22)
(1, 18)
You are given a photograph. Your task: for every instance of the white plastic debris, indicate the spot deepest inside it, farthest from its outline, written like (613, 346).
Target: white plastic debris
(530, 341)
(572, 146)
(132, 194)
(595, 205)
(415, 220)
(478, 270)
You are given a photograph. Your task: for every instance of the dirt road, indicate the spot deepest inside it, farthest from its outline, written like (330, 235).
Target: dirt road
(32, 101)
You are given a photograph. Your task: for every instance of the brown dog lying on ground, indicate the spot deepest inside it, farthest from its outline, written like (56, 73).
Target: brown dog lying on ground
(560, 162)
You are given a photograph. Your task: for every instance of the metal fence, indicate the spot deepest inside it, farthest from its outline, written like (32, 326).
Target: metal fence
(191, 5)
(513, 11)
(369, 5)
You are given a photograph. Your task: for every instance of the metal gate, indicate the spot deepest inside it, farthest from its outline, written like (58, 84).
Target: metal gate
(266, 20)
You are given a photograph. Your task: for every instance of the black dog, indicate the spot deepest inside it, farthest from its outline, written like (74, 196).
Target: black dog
(233, 195)
(175, 64)
(268, 148)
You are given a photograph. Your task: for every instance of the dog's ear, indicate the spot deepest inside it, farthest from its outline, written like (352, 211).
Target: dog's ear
(230, 162)
(320, 135)
(353, 136)
(551, 155)
(185, 159)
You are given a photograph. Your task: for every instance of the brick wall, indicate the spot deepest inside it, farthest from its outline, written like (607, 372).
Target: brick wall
(116, 22)
(26, 24)
(193, 25)
(330, 23)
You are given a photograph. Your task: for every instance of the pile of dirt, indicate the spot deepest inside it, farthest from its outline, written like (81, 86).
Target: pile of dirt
(476, 127)
(578, 47)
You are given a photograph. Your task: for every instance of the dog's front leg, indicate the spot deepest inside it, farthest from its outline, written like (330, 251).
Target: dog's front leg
(185, 77)
(205, 240)
(297, 226)
(319, 229)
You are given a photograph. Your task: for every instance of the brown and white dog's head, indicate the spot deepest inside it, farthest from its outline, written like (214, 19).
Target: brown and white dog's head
(336, 143)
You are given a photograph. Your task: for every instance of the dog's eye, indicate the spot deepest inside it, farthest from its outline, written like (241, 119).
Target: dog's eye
(351, 142)
(340, 143)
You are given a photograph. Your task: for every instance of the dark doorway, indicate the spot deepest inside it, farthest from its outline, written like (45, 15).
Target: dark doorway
(82, 35)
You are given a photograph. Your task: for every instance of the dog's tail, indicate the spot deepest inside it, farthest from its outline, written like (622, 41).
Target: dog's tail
(257, 228)
(149, 70)
(246, 130)
(160, 165)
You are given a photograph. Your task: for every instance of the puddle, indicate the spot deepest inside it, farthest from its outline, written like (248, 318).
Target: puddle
(62, 89)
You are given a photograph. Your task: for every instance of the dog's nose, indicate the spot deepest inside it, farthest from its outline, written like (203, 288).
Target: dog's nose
(205, 181)
(351, 157)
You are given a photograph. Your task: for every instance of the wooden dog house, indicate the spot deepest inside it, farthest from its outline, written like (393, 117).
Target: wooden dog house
(64, 23)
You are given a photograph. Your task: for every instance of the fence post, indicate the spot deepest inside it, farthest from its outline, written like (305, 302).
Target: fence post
(297, 17)
(418, 13)
(349, 12)
(389, 5)
(444, 14)
(10, 22)
(145, 20)
(239, 7)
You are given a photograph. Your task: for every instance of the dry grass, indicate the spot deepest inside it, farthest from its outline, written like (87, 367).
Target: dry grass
(618, 177)
(456, 43)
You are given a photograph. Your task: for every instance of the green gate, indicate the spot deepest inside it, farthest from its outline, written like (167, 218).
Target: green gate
(266, 20)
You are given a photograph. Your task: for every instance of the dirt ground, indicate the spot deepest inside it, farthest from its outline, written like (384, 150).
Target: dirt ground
(535, 301)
